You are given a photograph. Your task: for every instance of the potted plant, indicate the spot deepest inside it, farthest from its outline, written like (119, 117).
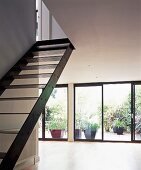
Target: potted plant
(57, 128)
(90, 130)
(119, 126)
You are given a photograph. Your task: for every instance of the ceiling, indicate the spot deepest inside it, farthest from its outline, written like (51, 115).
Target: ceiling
(107, 38)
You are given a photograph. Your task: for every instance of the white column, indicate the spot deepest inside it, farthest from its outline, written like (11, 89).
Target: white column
(70, 112)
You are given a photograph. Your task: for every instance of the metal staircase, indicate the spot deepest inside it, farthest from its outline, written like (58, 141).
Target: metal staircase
(41, 52)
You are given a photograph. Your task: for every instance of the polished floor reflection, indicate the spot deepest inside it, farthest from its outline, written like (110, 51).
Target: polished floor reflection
(88, 156)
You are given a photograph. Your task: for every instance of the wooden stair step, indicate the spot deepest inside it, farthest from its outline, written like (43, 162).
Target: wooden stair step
(44, 59)
(9, 131)
(37, 67)
(18, 98)
(40, 86)
(46, 53)
(52, 45)
(37, 49)
(2, 155)
(14, 113)
(26, 76)
(53, 41)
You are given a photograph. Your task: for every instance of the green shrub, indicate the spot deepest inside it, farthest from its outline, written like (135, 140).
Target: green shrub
(119, 123)
(58, 124)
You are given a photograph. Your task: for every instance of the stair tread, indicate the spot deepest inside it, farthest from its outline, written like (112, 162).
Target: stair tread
(53, 45)
(53, 41)
(40, 86)
(18, 98)
(13, 113)
(35, 67)
(50, 48)
(48, 53)
(9, 131)
(43, 59)
(41, 75)
(2, 155)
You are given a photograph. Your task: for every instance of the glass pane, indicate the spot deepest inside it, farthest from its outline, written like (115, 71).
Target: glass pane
(138, 112)
(117, 112)
(56, 114)
(40, 121)
(88, 123)
(40, 127)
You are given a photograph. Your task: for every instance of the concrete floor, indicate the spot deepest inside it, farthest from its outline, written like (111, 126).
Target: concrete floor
(88, 156)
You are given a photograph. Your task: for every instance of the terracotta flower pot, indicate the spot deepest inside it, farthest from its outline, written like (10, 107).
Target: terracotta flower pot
(57, 133)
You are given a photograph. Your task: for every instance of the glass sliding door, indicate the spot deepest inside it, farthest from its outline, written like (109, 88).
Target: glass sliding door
(88, 112)
(56, 114)
(117, 112)
(40, 132)
(137, 113)
(41, 123)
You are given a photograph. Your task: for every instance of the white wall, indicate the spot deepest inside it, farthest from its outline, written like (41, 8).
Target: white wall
(17, 31)
(56, 30)
(45, 23)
